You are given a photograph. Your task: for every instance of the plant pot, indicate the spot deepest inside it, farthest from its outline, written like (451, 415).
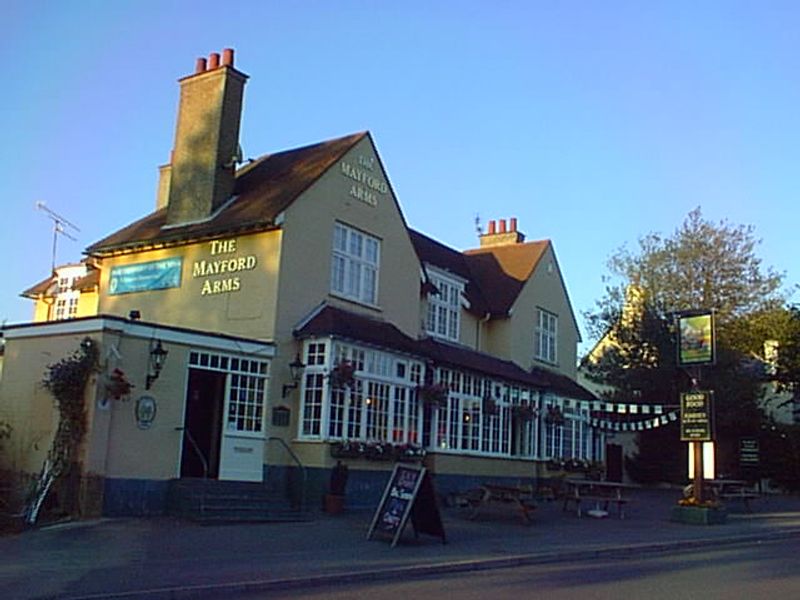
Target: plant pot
(698, 515)
(333, 504)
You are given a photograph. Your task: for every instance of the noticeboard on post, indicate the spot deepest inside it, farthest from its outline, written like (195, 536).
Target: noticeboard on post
(697, 415)
(696, 339)
(749, 452)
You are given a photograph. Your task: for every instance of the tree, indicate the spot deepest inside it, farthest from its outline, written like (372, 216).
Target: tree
(702, 265)
(787, 369)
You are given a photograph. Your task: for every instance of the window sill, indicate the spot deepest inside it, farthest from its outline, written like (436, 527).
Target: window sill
(361, 303)
(546, 363)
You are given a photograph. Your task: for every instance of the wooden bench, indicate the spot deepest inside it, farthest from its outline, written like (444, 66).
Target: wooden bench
(598, 500)
(599, 493)
(517, 497)
(742, 494)
(732, 489)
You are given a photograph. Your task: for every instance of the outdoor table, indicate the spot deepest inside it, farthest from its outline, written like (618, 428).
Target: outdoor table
(519, 497)
(580, 491)
(732, 489)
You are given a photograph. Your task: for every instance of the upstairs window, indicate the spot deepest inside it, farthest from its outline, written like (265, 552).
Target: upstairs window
(443, 318)
(354, 267)
(544, 346)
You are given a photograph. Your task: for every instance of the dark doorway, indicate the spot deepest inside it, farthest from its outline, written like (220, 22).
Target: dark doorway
(203, 423)
(614, 462)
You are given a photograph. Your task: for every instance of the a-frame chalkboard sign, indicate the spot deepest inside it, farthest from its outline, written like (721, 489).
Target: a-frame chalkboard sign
(409, 492)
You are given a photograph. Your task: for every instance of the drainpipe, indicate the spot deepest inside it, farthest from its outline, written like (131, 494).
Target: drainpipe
(481, 322)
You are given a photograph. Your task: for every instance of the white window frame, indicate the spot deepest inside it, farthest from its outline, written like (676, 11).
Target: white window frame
(443, 315)
(545, 346)
(246, 385)
(355, 265)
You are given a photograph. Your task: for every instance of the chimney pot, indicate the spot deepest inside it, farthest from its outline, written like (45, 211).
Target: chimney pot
(492, 227)
(513, 225)
(213, 60)
(200, 65)
(227, 57)
(502, 226)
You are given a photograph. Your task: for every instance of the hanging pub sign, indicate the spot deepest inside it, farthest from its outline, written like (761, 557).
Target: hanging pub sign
(696, 416)
(409, 493)
(696, 343)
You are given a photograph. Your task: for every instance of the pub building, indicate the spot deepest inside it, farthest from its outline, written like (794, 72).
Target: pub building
(298, 321)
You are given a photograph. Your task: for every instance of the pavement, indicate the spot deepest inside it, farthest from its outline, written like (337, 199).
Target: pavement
(155, 559)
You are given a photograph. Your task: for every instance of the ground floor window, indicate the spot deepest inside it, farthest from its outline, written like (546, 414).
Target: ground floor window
(386, 398)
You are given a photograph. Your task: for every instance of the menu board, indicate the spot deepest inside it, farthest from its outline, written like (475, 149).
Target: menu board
(409, 493)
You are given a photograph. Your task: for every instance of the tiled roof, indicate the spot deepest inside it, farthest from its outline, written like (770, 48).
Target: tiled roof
(331, 321)
(88, 281)
(263, 190)
(40, 289)
(495, 274)
(501, 271)
(435, 253)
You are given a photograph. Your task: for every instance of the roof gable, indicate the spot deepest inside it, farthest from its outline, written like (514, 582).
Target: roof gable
(502, 271)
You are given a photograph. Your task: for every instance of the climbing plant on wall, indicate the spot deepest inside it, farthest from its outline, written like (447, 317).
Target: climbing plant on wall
(66, 380)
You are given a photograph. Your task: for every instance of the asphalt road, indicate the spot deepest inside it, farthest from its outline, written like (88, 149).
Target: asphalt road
(768, 570)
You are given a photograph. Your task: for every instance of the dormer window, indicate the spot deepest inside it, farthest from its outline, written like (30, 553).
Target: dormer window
(443, 319)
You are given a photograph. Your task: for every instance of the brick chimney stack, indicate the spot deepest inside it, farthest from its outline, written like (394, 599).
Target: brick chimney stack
(201, 174)
(498, 234)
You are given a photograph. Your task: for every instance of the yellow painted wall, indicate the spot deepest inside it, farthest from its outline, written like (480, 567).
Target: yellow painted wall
(25, 404)
(444, 464)
(121, 448)
(41, 309)
(87, 304)
(249, 311)
(513, 338)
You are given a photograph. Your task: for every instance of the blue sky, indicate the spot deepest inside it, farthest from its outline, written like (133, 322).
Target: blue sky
(593, 123)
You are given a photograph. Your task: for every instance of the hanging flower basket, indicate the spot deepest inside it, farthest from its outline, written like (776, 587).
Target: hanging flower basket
(524, 412)
(343, 374)
(490, 406)
(554, 415)
(433, 394)
(117, 385)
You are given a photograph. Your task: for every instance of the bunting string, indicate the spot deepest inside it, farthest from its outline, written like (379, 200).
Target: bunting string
(640, 425)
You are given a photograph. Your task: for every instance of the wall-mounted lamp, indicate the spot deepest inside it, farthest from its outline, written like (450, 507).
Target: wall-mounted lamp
(157, 357)
(296, 369)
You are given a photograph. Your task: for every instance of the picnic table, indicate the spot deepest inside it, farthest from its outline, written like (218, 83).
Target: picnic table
(732, 489)
(518, 497)
(601, 494)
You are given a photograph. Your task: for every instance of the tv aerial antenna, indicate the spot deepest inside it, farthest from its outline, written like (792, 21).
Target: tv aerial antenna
(60, 227)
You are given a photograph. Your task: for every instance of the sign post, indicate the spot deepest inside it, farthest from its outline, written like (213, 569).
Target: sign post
(697, 412)
(696, 348)
(749, 458)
